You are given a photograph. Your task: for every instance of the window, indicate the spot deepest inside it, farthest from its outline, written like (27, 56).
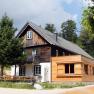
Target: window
(37, 70)
(66, 68)
(86, 69)
(34, 51)
(57, 53)
(90, 68)
(93, 70)
(22, 70)
(69, 68)
(29, 35)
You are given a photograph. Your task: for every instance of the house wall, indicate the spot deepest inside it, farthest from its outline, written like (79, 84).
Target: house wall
(43, 54)
(46, 71)
(90, 63)
(36, 39)
(58, 68)
(29, 69)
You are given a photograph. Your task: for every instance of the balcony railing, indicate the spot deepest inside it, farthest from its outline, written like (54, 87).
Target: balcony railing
(15, 78)
(38, 58)
(33, 58)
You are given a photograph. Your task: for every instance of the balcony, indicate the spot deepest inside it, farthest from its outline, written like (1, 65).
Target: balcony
(38, 58)
(33, 58)
(32, 43)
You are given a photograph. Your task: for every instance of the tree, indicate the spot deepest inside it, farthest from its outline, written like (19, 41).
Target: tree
(88, 25)
(86, 42)
(88, 19)
(50, 27)
(11, 49)
(68, 31)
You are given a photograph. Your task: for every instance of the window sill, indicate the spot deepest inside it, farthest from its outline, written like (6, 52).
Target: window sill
(28, 38)
(69, 75)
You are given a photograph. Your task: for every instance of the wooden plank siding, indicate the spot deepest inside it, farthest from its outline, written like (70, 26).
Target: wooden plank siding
(90, 63)
(36, 39)
(36, 42)
(43, 53)
(58, 68)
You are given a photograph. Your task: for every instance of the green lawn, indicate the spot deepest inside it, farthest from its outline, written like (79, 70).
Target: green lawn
(24, 85)
(19, 85)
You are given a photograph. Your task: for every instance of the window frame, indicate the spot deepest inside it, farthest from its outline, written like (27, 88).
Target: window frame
(37, 70)
(86, 69)
(93, 70)
(69, 69)
(29, 35)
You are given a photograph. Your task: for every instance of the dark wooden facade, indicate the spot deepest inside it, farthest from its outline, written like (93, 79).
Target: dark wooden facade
(44, 51)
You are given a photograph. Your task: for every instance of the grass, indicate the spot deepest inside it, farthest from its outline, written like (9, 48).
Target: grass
(63, 85)
(18, 85)
(24, 85)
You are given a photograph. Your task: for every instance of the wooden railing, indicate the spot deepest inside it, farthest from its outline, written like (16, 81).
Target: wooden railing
(15, 78)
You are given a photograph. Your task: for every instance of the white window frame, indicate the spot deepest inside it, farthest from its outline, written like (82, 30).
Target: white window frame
(29, 35)
(37, 70)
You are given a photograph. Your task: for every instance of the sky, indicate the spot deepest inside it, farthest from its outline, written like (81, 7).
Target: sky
(42, 12)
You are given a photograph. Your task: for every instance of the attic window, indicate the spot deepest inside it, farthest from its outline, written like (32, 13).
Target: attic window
(29, 35)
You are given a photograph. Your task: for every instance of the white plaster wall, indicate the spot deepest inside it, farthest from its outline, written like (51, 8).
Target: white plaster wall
(13, 70)
(45, 71)
(46, 66)
(29, 70)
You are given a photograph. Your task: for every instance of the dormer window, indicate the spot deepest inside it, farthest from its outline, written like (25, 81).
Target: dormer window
(29, 35)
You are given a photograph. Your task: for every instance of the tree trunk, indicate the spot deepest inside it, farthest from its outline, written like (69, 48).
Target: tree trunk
(15, 69)
(2, 70)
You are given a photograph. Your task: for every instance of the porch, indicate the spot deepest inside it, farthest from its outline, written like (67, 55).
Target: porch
(16, 78)
(39, 71)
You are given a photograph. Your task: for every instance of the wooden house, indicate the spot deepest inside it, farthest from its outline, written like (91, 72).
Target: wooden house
(52, 58)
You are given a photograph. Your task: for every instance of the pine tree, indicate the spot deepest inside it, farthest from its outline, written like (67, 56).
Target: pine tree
(11, 49)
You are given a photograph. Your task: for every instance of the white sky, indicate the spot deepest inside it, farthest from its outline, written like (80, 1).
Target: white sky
(37, 11)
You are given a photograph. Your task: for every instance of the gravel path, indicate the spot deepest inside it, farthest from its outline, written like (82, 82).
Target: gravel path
(77, 90)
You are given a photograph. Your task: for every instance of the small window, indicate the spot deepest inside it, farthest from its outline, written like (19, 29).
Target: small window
(34, 51)
(93, 70)
(37, 70)
(57, 53)
(69, 68)
(29, 35)
(22, 70)
(66, 68)
(86, 69)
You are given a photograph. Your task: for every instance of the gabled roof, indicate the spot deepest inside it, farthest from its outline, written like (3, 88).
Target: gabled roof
(51, 38)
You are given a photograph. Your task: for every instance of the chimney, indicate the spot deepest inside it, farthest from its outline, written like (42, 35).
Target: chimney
(56, 36)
